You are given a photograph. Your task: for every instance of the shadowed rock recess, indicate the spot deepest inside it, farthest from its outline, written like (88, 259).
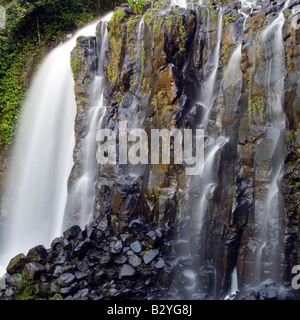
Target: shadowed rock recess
(157, 233)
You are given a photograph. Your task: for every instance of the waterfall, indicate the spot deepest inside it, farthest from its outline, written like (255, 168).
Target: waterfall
(81, 199)
(233, 285)
(206, 184)
(36, 186)
(180, 3)
(267, 255)
(202, 187)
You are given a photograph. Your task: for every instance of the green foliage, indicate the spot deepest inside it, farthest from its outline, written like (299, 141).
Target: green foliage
(32, 27)
(229, 18)
(76, 63)
(289, 134)
(213, 15)
(149, 18)
(297, 184)
(182, 35)
(131, 25)
(116, 40)
(164, 197)
(25, 289)
(137, 5)
(115, 27)
(170, 23)
(160, 5)
(56, 296)
(258, 106)
(157, 26)
(175, 10)
(226, 50)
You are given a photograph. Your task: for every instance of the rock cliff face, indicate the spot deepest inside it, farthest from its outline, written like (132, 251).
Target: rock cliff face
(157, 232)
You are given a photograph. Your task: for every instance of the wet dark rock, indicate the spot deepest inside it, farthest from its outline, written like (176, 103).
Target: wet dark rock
(126, 238)
(125, 249)
(158, 233)
(45, 278)
(127, 271)
(81, 249)
(88, 232)
(103, 224)
(83, 284)
(121, 259)
(106, 248)
(134, 260)
(270, 294)
(43, 290)
(104, 261)
(33, 270)
(65, 279)
(54, 287)
(139, 286)
(69, 290)
(160, 264)
(167, 247)
(81, 294)
(83, 265)
(36, 254)
(97, 236)
(165, 277)
(57, 242)
(94, 255)
(150, 239)
(80, 275)
(13, 281)
(129, 253)
(116, 246)
(57, 272)
(149, 256)
(146, 274)
(3, 283)
(61, 259)
(136, 225)
(136, 247)
(67, 268)
(9, 292)
(16, 264)
(112, 274)
(100, 277)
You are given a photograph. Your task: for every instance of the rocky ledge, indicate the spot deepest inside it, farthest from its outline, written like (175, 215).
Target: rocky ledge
(92, 264)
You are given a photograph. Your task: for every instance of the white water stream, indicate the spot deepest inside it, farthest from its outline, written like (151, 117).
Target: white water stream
(36, 186)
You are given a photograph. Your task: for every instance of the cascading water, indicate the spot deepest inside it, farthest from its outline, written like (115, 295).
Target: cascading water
(81, 199)
(267, 255)
(232, 76)
(203, 186)
(36, 186)
(205, 183)
(208, 93)
(233, 285)
(180, 3)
